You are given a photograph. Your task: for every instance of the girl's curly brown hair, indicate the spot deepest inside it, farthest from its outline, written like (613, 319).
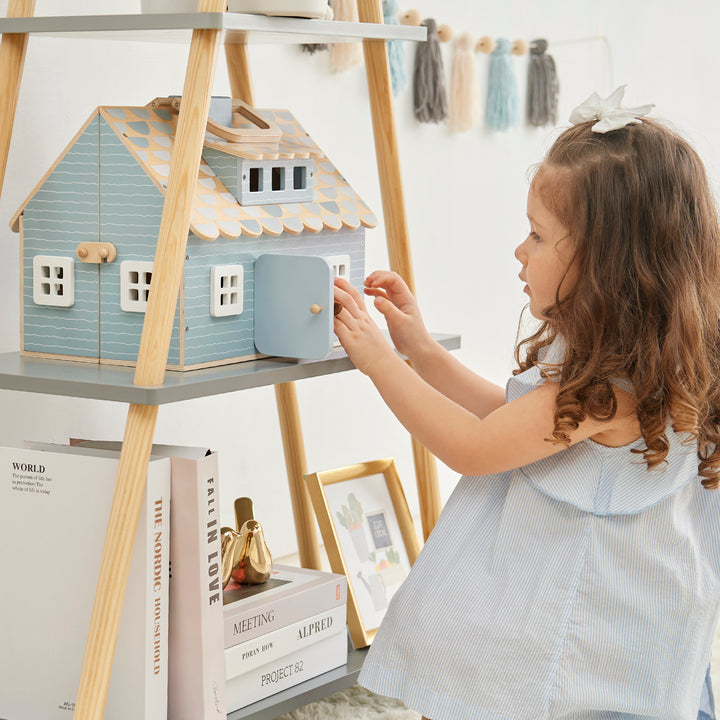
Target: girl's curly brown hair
(637, 204)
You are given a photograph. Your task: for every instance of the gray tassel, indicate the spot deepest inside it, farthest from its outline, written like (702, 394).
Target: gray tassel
(543, 87)
(312, 48)
(429, 96)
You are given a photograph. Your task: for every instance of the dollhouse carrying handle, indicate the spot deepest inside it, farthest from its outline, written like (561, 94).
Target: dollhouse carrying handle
(261, 130)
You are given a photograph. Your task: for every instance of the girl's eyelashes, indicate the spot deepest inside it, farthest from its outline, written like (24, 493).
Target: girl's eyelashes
(535, 236)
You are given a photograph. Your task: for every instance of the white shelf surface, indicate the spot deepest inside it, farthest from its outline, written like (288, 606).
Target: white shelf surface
(236, 27)
(115, 383)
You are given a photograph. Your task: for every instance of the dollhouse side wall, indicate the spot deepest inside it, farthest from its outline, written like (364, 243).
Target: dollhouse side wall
(209, 338)
(60, 215)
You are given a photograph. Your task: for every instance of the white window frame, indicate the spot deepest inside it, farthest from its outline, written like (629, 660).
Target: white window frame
(53, 281)
(226, 290)
(340, 265)
(135, 285)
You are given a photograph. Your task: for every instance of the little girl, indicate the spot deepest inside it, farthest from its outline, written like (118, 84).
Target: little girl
(575, 570)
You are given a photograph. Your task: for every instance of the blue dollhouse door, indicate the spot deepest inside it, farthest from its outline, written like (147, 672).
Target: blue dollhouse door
(294, 306)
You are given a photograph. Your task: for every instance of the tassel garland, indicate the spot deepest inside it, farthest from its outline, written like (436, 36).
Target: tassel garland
(503, 104)
(464, 100)
(543, 87)
(345, 55)
(429, 97)
(396, 51)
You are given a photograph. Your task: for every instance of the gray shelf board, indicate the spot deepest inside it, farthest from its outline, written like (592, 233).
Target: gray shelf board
(115, 383)
(236, 27)
(305, 693)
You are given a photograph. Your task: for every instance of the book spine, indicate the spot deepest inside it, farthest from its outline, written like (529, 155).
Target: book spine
(270, 647)
(157, 590)
(286, 672)
(196, 688)
(249, 624)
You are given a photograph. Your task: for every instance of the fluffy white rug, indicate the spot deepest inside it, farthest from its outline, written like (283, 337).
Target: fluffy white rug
(355, 703)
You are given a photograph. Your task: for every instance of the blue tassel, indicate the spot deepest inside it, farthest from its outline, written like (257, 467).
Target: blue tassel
(502, 110)
(396, 52)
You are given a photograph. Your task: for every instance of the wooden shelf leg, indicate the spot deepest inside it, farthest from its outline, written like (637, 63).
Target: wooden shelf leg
(396, 228)
(238, 66)
(285, 394)
(115, 564)
(289, 414)
(12, 59)
(152, 360)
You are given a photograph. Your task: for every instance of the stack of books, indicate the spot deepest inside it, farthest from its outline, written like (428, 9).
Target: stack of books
(186, 650)
(281, 633)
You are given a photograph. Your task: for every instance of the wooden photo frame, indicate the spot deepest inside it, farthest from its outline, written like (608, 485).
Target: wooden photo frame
(369, 536)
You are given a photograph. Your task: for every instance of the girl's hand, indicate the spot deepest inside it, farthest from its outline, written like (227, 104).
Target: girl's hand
(357, 331)
(400, 309)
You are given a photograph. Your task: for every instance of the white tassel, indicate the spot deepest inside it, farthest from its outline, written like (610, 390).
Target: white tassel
(345, 55)
(464, 100)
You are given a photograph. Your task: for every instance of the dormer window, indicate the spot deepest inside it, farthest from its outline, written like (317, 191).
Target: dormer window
(256, 180)
(299, 177)
(270, 182)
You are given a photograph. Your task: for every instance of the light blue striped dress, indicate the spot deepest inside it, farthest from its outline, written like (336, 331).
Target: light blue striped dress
(581, 587)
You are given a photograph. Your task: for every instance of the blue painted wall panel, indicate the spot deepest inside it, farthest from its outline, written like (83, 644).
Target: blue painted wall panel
(209, 338)
(62, 214)
(130, 212)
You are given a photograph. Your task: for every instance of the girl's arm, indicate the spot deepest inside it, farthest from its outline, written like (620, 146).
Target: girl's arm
(431, 361)
(511, 436)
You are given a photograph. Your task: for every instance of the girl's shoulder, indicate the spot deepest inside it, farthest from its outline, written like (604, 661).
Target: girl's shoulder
(550, 360)
(605, 475)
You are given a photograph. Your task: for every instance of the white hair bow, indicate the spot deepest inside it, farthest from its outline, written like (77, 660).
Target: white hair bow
(607, 112)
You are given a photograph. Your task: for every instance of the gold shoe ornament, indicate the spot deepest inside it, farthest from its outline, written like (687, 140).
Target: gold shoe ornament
(245, 554)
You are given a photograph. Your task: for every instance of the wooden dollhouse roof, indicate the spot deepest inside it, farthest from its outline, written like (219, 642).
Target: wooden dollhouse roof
(149, 135)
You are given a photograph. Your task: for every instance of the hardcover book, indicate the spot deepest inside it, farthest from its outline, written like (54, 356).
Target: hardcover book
(277, 644)
(291, 594)
(54, 509)
(286, 672)
(196, 683)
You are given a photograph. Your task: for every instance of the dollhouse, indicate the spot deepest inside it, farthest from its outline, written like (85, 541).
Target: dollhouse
(272, 223)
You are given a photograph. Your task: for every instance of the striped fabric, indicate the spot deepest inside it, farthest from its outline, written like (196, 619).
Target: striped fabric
(580, 587)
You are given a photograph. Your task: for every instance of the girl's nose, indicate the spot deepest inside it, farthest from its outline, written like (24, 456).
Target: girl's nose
(520, 253)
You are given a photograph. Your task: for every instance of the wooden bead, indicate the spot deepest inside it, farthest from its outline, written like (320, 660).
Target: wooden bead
(411, 17)
(444, 33)
(519, 47)
(485, 44)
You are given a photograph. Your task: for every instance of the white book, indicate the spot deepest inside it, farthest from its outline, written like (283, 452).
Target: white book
(289, 595)
(267, 648)
(286, 672)
(196, 684)
(54, 509)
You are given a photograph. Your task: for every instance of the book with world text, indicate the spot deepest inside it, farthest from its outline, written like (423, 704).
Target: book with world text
(54, 508)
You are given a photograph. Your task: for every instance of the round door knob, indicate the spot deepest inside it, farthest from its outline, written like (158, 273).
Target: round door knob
(315, 308)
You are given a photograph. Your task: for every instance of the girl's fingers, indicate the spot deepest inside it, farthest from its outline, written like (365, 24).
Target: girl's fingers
(347, 300)
(375, 292)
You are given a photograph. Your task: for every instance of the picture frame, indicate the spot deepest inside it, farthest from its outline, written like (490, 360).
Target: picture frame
(369, 537)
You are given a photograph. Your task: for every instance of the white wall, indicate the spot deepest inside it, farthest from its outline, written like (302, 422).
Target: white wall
(465, 201)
